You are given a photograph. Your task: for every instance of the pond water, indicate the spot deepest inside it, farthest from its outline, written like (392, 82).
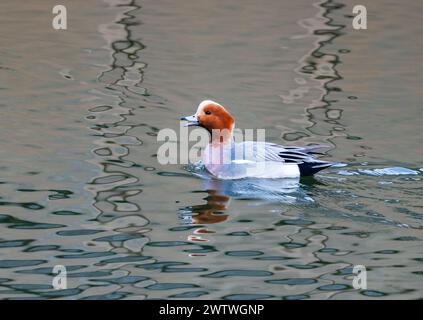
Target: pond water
(80, 184)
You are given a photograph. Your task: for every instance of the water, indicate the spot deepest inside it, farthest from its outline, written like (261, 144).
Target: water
(80, 185)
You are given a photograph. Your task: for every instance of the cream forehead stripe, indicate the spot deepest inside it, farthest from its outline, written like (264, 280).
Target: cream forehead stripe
(205, 103)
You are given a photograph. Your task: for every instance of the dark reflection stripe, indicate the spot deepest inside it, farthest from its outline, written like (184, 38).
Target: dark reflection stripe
(15, 243)
(86, 255)
(238, 273)
(123, 280)
(204, 249)
(89, 274)
(238, 234)
(42, 248)
(109, 296)
(270, 258)
(296, 297)
(328, 250)
(244, 253)
(292, 245)
(26, 298)
(49, 270)
(26, 205)
(185, 269)
(31, 287)
(20, 263)
(387, 251)
(72, 250)
(189, 294)
(296, 222)
(120, 237)
(372, 293)
(125, 259)
(78, 232)
(293, 281)
(406, 238)
(66, 213)
(170, 286)
(33, 225)
(183, 228)
(59, 194)
(15, 223)
(334, 287)
(161, 265)
(247, 296)
(169, 243)
(344, 271)
(61, 293)
(303, 266)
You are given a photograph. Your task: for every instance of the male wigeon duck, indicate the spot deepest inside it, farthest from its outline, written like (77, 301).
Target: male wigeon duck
(225, 158)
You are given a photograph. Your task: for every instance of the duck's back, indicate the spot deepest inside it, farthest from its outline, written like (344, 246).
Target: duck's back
(261, 160)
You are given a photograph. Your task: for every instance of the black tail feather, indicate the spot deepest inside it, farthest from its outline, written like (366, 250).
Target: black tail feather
(310, 168)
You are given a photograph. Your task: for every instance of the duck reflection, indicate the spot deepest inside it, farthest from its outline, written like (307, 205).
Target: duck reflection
(257, 191)
(213, 211)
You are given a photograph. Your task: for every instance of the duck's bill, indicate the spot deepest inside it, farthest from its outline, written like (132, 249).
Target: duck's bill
(192, 121)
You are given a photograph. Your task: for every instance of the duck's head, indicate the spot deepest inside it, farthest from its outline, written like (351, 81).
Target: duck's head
(211, 116)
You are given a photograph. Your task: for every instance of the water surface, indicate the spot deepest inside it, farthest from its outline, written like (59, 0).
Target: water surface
(80, 184)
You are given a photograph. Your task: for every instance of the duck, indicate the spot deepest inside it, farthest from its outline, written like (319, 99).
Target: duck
(225, 158)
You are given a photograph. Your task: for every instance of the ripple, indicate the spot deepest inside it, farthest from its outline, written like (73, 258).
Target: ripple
(31, 287)
(80, 232)
(238, 273)
(244, 253)
(14, 243)
(391, 171)
(170, 269)
(125, 259)
(189, 294)
(293, 281)
(372, 293)
(161, 265)
(61, 293)
(296, 297)
(86, 255)
(239, 234)
(171, 286)
(49, 270)
(89, 274)
(119, 237)
(107, 200)
(42, 248)
(387, 251)
(25, 205)
(109, 296)
(168, 243)
(15, 223)
(334, 287)
(292, 245)
(295, 222)
(19, 263)
(100, 108)
(66, 213)
(272, 258)
(246, 296)
(124, 280)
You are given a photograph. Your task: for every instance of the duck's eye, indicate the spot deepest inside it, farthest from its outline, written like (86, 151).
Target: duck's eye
(207, 112)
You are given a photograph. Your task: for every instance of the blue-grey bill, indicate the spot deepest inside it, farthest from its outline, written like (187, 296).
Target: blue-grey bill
(192, 121)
